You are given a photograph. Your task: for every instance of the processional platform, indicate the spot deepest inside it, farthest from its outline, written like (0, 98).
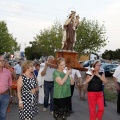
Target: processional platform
(71, 59)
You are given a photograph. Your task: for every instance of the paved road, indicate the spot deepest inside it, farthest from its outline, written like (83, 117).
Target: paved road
(80, 108)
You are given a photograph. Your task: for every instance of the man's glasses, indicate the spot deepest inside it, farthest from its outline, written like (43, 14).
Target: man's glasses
(2, 60)
(62, 65)
(98, 65)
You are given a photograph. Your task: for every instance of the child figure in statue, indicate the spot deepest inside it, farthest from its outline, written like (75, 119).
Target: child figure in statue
(69, 32)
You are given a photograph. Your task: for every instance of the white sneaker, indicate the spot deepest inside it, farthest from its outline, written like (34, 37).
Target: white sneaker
(44, 109)
(51, 112)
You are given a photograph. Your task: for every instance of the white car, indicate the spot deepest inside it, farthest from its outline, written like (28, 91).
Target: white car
(112, 70)
(12, 62)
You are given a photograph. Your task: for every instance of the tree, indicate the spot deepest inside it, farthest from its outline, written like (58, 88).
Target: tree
(90, 37)
(46, 42)
(108, 55)
(33, 52)
(28, 53)
(50, 39)
(111, 55)
(7, 42)
(117, 54)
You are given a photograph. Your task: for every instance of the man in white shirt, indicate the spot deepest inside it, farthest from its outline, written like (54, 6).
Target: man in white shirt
(116, 77)
(78, 75)
(18, 70)
(48, 84)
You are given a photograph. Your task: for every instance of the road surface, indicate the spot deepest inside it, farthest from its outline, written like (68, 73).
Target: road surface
(80, 108)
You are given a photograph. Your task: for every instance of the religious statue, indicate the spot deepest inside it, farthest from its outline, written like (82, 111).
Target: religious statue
(69, 36)
(69, 31)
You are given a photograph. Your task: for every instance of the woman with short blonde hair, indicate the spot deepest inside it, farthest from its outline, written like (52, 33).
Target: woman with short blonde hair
(26, 65)
(27, 92)
(62, 91)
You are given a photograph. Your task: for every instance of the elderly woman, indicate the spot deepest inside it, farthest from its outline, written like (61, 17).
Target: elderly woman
(62, 91)
(95, 92)
(27, 88)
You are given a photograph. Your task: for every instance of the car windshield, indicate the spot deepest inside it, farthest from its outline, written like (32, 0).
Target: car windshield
(85, 62)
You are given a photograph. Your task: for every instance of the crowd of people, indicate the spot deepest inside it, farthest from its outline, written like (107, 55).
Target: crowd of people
(30, 84)
(46, 84)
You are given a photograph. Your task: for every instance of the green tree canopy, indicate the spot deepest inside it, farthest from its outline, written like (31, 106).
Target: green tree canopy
(7, 42)
(46, 42)
(90, 37)
(111, 55)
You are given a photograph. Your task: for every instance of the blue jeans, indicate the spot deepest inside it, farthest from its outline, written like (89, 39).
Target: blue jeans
(4, 101)
(103, 94)
(118, 101)
(48, 90)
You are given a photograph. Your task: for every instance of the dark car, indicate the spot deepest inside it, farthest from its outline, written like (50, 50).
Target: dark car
(89, 62)
(107, 68)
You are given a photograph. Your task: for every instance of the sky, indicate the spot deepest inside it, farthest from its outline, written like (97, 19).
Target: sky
(25, 18)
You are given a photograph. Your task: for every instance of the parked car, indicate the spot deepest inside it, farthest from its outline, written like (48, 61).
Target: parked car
(115, 62)
(12, 62)
(113, 70)
(107, 68)
(89, 62)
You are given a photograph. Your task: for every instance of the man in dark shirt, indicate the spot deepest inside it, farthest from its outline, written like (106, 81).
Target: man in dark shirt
(37, 67)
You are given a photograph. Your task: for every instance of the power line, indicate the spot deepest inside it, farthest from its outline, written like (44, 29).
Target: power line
(39, 5)
(55, 10)
(24, 15)
(43, 6)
